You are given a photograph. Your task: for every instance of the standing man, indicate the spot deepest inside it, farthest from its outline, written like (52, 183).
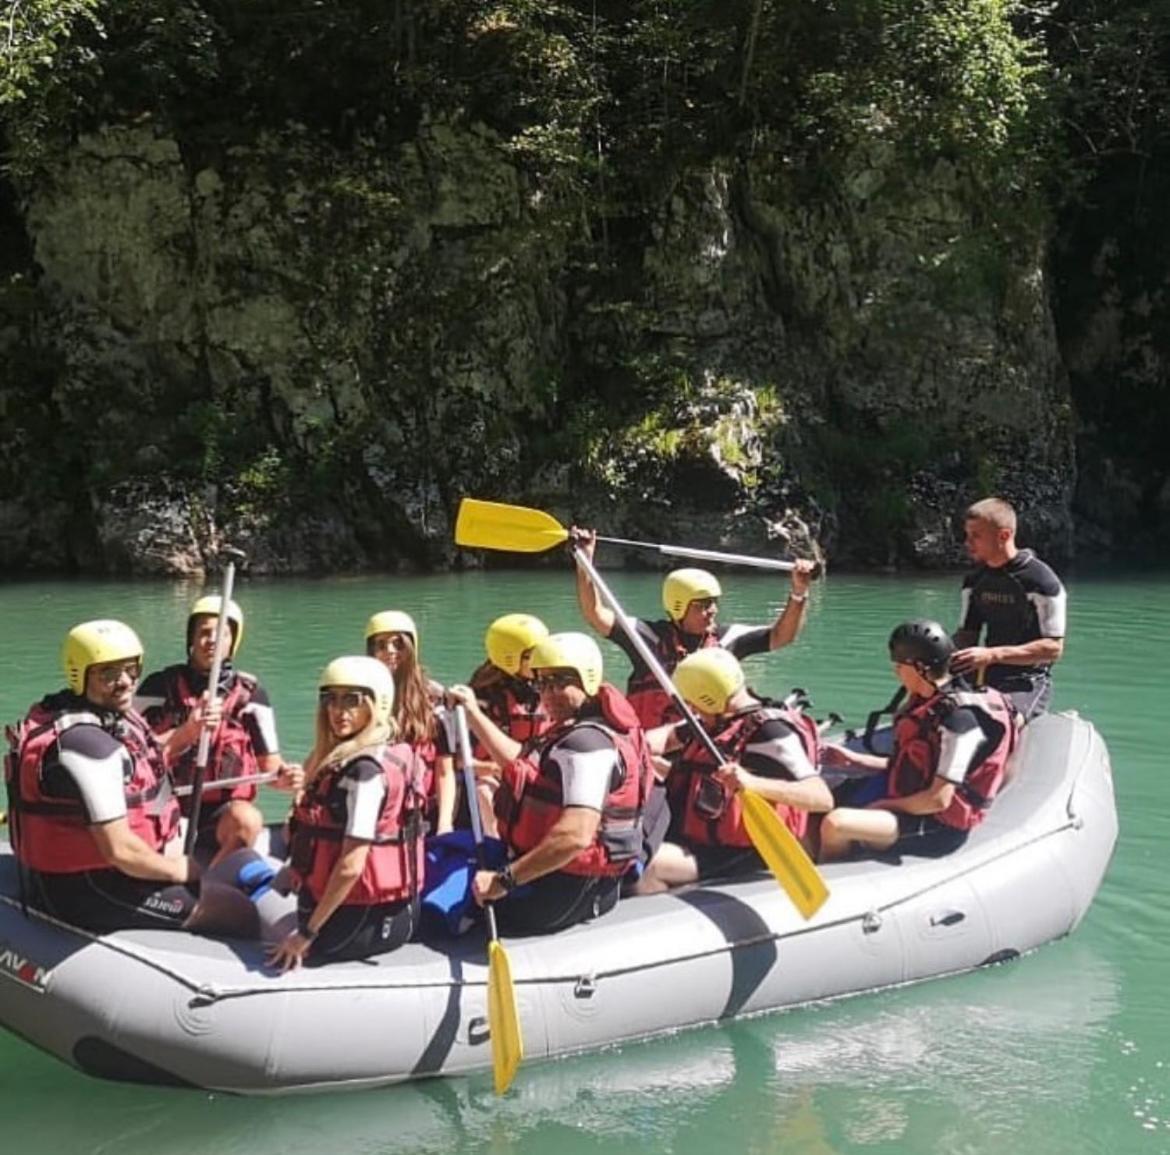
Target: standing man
(570, 806)
(1019, 601)
(691, 598)
(92, 813)
(177, 705)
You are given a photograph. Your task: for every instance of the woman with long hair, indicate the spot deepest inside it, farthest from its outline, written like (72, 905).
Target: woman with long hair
(392, 638)
(356, 831)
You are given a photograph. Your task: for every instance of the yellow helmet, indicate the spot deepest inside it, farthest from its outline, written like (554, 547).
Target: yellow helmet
(709, 678)
(508, 637)
(392, 622)
(571, 651)
(361, 673)
(683, 586)
(209, 607)
(94, 643)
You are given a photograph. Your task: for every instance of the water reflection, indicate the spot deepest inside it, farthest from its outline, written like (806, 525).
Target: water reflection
(900, 1071)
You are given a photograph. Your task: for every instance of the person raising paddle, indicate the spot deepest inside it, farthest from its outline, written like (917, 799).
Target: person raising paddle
(691, 598)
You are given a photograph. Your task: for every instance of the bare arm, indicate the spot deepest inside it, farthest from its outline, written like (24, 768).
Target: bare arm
(446, 793)
(572, 832)
(833, 754)
(1042, 651)
(787, 625)
(346, 871)
(500, 747)
(664, 739)
(934, 799)
(599, 616)
(125, 851)
(810, 793)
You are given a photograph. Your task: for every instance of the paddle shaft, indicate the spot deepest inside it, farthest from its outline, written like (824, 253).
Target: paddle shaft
(227, 783)
(647, 656)
(706, 554)
(201, 756)
(463, 741)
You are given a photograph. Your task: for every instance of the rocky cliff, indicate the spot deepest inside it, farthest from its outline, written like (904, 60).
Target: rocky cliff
(312, 345)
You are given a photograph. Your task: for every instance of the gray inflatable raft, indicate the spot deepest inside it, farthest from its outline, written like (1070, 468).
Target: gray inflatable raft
(167, 1007)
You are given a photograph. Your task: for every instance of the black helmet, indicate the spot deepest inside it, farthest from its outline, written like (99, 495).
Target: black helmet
(922, 643)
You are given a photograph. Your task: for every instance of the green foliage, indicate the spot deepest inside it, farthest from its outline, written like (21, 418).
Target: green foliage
(39, 36)
(1113, 184)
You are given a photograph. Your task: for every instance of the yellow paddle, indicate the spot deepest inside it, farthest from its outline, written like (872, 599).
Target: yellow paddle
(503, 1017)
(518, 529)
(774, 842)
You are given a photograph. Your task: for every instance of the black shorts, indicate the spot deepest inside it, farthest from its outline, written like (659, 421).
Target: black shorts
(726, 861)
(357, 932)
(105, 900)
(924, 836)
(556, 901)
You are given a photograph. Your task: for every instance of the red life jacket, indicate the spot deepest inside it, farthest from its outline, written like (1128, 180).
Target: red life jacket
(653, 705)
(514, 706)
(531, 796)
(231, 754)
(917, 740)
(51, 835)
(710, 815)
(394, 865)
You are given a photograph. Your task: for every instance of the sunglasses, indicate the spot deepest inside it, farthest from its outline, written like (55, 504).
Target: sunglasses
(397, 642)
(341, 699)
(705, 603)
(557, 681)
(112, 675)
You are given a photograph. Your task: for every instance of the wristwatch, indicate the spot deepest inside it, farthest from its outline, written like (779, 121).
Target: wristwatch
(506, 878)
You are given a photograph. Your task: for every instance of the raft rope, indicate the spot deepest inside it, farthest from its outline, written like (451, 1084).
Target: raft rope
(208, 993)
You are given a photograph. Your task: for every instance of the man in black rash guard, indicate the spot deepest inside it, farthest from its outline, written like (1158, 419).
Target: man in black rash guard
(1019, 602)
(94, 815)
(571, 809)
(691, 598)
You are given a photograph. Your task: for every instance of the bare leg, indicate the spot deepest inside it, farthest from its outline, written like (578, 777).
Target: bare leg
(238, 828)
(841, 828)
(670, 866)
(485, 798)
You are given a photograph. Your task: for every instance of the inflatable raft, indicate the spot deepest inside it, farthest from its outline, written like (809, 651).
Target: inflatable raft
(166, 1007)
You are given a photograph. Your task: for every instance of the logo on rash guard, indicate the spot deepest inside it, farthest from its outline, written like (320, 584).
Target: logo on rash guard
(24, 970)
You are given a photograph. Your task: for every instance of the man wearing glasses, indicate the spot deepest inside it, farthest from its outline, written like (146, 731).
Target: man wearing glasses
(92, 810)
(570, 809)
(691, 599)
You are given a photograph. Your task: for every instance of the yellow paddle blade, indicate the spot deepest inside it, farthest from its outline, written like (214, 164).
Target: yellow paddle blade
(491, 525)
(786, 858)
(503, 1019)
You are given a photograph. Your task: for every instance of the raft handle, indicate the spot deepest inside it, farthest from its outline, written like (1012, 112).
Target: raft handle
(949, 918)
(871, 922)
(586, 987)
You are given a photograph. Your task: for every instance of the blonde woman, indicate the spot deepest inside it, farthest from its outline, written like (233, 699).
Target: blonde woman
(392, 638)
(356, 830)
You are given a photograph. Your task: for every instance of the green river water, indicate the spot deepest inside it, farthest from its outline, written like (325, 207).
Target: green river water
(1067, 1050)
